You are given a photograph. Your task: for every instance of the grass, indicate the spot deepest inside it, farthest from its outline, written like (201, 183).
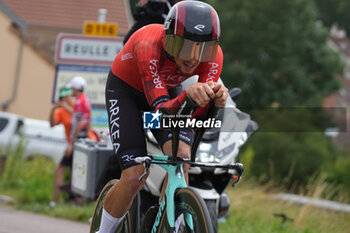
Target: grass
(30, 183)
(252, 209)
(66, 211)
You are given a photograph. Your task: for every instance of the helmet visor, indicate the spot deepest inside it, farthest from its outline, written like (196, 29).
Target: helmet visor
(187, 50)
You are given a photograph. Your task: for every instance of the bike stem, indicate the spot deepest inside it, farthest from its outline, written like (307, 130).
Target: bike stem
(175, 142)
(211, 113)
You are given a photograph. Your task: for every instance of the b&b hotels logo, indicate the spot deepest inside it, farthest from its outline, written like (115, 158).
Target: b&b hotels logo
(158, 120)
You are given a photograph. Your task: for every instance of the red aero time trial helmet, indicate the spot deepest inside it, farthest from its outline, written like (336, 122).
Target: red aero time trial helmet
(192, 31)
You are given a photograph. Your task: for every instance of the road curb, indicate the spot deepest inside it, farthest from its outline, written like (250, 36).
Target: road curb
(331, 205)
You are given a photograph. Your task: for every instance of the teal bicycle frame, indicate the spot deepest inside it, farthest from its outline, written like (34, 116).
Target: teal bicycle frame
(176, 176)
(176, 180)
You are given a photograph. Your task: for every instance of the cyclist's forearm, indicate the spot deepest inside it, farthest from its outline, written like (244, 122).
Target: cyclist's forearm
(182, 104)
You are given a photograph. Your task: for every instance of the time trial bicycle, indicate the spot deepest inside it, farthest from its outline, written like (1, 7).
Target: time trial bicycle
(181, 210)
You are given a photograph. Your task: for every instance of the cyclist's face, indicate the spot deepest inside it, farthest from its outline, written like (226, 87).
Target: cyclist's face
(187, 67)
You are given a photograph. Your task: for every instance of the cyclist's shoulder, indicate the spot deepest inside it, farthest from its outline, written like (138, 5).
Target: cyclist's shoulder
(147, 41)
(151, 32)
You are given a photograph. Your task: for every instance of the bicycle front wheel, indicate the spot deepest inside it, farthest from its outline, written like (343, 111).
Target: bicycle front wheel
(187, 201)
(124, 227)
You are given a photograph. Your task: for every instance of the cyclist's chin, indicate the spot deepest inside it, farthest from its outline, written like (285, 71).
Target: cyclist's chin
(187, 69)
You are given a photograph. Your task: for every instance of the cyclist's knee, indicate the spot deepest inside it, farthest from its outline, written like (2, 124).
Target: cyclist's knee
(184, 150)
(131, 178)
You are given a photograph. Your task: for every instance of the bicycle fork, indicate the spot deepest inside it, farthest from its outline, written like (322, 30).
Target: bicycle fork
(176, 180)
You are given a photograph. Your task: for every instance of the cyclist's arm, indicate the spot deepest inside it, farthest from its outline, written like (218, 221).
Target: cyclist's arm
(162, 101)
(159, 99)
(210, 73)
(156, 92)
(154, 86)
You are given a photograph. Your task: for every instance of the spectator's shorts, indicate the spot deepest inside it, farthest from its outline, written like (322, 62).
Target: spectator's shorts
(67, 161)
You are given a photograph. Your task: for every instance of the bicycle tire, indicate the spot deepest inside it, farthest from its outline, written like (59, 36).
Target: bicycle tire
(135, 215)
(213, 213)
(188, 201)
(124, 227)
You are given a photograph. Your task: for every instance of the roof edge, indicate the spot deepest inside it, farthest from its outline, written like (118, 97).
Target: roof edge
(53, 28)
(13, 16)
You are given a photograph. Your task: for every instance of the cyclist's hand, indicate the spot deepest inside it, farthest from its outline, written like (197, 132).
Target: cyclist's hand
(221, 94)
(201, 93)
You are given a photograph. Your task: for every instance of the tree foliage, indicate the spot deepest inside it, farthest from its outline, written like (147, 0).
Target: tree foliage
(276, 52)
(290, 159)
(290, 146)
(334, 12)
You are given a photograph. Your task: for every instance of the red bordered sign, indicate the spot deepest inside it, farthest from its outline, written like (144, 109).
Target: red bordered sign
(78, 49)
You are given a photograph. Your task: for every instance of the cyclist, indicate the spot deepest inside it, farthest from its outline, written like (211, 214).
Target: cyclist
(147, 12)
(154, 60)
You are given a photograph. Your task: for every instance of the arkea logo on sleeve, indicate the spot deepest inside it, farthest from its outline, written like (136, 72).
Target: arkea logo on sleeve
(152, 120)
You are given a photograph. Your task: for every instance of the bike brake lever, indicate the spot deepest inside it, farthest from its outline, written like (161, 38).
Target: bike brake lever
(146, 164)
(238, 179)
(239, 168)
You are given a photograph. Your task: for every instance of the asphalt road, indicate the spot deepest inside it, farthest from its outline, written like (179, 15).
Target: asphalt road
(14, 221)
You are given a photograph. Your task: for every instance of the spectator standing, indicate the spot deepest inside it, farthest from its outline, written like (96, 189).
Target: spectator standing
(81, 118)
(61, 113)
(76, 118)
